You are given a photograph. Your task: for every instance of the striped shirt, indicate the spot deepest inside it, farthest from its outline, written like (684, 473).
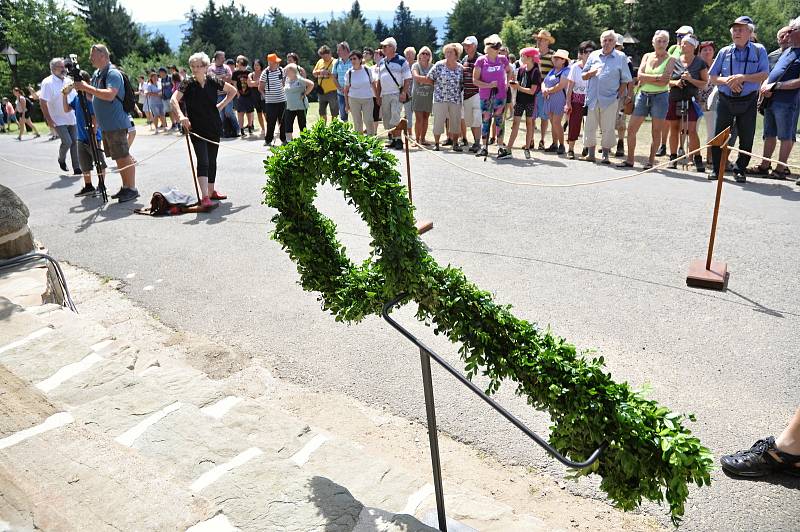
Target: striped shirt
(273, 85)
(470, 89)
(546, 63)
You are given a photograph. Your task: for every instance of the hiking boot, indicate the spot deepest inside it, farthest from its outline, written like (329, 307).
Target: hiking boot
(127, 194)
(673, 162)
(87, 190)
(760, 460)
(503, 153)
(739, 176)
(482, 153)
(457, 147)
(699, 166)
(712, 174)
(662, 151)
(551, 149)
(527, 153)
(119, 192)
(475, 148)
(560, 150)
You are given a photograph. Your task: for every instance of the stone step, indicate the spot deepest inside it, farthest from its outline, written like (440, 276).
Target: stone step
(71, 478)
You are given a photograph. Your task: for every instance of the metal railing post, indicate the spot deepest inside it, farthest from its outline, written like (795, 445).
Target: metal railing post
(433, 437)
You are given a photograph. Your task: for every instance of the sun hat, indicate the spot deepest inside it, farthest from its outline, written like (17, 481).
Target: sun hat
(620, 39)
(544, 34)
(563, 54)
(470, 40)
(274, 58)
(531, 52)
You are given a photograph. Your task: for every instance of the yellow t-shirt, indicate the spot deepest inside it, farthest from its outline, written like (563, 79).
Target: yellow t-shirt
(327, 84)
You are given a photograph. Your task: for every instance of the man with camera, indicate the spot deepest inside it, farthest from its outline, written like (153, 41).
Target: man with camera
(108, 89)
(59, 120)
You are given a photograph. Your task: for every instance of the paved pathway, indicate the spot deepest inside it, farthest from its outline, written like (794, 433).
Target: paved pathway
(604, 265)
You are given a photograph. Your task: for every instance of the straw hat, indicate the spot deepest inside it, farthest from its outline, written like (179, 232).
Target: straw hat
(273, 58)
(544, 34)
(563, 54)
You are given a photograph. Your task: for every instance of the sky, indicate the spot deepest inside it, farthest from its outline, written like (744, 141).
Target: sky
(159, 10)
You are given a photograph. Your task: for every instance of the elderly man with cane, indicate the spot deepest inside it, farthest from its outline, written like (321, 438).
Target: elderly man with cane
(202, 117)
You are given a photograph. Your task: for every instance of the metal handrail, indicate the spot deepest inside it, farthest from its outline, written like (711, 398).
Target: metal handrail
(426, 354)
(32, 257)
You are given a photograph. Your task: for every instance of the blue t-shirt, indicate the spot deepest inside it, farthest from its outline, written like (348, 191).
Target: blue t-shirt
(340, 70)
(786, 69)
(80, 123)
(110, 114)
(731, 60)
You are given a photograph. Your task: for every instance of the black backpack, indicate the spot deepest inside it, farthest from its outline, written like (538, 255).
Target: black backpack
(129, 98)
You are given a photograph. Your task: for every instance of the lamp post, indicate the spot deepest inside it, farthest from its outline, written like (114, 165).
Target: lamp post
(11, 56)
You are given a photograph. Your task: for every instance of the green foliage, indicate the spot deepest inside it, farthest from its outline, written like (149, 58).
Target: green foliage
(111, 24)
(39, 31)
(409, 30)
(569, 21)
(479, 18)
(651, 454)
(514, 35)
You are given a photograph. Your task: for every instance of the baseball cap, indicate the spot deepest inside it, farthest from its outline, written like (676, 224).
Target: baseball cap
(684, 30)
(742, 20)
(389, 41)
(470, 40)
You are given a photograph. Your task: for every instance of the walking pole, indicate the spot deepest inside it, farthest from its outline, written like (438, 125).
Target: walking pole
(684, 132)
(191, 162)
(425, 225)
(708, 273)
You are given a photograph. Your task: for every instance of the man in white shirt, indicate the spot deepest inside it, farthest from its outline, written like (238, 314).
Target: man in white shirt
(394, 87)
(57, 118)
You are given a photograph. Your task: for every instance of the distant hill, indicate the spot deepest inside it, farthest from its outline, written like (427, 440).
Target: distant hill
(171, 29)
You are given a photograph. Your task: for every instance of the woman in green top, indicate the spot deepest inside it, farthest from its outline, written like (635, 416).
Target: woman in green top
(653, 97)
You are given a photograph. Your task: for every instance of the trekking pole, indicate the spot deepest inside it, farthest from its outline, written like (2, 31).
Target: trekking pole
(492, 95)
(684, 132)
(191, 162)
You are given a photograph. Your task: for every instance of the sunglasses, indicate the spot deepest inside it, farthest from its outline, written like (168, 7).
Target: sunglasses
(588, 50)
(424, 53)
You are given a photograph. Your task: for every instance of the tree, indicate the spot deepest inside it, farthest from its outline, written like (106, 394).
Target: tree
(111, 24)
(409, 30)
(514, 35)
(357, 15)
(40, 30)
(381, 30)
(479, 18)
(569, 21)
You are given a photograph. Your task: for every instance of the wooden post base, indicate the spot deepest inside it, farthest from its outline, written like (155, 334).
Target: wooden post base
(424, 226)
(714, 279)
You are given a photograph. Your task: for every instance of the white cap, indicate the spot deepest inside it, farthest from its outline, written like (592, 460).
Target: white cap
(620, 39)
(470, 40)
(493, 39)
(389, 41)
(684, 30)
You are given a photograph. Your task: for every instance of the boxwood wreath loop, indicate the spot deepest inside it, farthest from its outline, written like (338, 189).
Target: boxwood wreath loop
(651, 453)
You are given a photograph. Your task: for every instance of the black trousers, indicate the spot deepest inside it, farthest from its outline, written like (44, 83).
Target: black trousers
(206, 158)
(274, 112)
(740, 113)
(288, 120)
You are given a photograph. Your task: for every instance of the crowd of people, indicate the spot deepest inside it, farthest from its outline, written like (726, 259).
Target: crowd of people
(595, 97)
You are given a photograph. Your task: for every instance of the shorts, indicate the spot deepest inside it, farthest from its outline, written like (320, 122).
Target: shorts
(167, 104)
(654, 104)
(116, 143)
(472, 111)
(329, 99)
(390, 110)
(528, 109)
(244, 104)
(541, 108)
(672, 114)
(132, 128)
(780, 120)
(258, 105)
(508, 95)
(85, 159)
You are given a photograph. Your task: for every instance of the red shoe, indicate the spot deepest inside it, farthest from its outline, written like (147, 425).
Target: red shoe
(217, 196)
(206, 203)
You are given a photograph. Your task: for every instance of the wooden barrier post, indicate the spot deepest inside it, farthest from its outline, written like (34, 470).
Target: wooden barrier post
(401, 129)
(707, 273)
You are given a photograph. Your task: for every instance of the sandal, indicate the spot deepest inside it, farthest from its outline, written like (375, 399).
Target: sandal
(647, 166)
(624, 164)
(217, 196)
(760, 461)
(780, 174)
(759, 170)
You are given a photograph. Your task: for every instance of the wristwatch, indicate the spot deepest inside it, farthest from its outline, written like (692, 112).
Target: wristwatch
(777, 86)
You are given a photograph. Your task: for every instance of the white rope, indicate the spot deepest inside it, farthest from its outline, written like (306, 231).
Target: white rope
(763, 158)
(556, 185)
(262, 153)
(117, 171)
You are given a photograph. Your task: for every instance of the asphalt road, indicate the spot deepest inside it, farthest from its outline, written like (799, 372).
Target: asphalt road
(604, 265)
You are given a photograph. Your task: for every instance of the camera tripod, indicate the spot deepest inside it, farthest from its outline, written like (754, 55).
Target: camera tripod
(92, 137)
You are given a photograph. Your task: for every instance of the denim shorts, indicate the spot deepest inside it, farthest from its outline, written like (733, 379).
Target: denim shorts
(656, 105)
(780, 120)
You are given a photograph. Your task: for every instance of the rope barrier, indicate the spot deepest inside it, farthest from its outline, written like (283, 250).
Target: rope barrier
(117, 171)
(262, 153)
(560, 185)
(763, 158)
